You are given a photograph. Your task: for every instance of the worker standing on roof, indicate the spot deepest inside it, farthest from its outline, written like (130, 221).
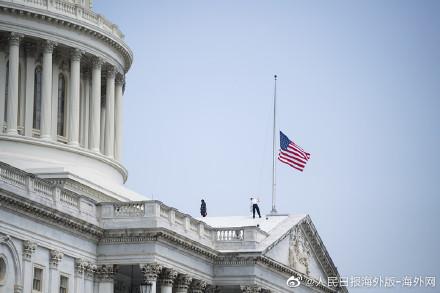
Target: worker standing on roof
(254, 204)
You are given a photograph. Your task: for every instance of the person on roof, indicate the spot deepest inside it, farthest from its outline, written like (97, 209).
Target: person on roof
(254, 204)
(203, 209)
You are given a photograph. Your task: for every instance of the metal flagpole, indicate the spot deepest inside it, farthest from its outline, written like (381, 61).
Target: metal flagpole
(274, 210)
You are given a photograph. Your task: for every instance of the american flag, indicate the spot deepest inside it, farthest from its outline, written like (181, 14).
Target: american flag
(291, 154)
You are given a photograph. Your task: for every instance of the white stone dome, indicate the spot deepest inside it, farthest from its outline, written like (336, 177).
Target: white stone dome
(62, 70)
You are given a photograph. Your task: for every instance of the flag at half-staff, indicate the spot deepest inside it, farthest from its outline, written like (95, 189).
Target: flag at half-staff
(291, 154)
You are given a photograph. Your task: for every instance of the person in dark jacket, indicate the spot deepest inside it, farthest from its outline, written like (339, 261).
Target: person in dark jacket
(203, 209)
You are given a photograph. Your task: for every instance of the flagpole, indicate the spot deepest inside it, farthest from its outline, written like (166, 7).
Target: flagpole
(274, 210)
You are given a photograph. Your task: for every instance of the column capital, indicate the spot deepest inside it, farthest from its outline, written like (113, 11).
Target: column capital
(80, 266)
(111, 71)
(183, 281)
(198, 286)
(14, 39)
(250, 289)
(75, 54)
(48, 46)
(90, 271)
(150, 271)
(167, 276)
(97, 62)
(29, 248)
(119, 79)
(55, 256)
(106, 272)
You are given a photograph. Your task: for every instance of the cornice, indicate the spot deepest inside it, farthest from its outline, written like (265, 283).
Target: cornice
(44, 213)
(70, 23)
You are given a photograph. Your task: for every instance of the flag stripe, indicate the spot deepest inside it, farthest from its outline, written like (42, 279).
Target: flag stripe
(296, 154)
(291, 165)
(285, 154)
(292, 154)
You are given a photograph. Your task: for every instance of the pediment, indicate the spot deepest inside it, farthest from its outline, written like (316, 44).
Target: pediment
(294, 250)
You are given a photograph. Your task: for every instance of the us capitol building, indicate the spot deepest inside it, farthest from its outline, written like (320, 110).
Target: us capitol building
(67, 222)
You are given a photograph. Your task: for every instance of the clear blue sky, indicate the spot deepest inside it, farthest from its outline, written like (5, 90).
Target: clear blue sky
(359, 88)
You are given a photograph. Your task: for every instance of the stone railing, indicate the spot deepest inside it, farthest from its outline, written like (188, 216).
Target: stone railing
(154, 214)
(70, 10)
(125, 215)
(46, 193)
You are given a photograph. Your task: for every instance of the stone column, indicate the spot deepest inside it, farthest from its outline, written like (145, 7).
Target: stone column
(2, 85)
(182, 283)
(46, 90)
(166, 280)
(30, 79)
(197, 286)
(95, 106)
(74, 99)
(55, 257)
(150, 272)
(110, 113)
(80, 269)
(102, 128)
(29, 248)
(105, 276)
(56, 60)
(12, 110)
(118, 116)
(85, 110)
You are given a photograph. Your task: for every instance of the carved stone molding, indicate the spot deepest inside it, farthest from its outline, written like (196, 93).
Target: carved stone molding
(250, 289)
(29, 248)
(299, 251)
(14, 39)
(90, 271)
(55, 256)
(111, 71)
(75, 54)
(183, 281)
(150, 271)
(119, 79)
(48, 46)
(80, 266)
(105, 272)
(167, 277)
(197, 286)
(97, 62)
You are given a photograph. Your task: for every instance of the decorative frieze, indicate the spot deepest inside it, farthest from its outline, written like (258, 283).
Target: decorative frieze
(150, 271)
(299, 251)
(167, 277)
(29, 248)
(55, 256)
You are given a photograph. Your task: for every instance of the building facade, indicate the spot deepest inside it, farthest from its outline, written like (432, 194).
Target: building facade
(68, 223)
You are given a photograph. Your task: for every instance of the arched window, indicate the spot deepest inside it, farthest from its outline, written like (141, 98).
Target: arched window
(61, 104)
(37, 98)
